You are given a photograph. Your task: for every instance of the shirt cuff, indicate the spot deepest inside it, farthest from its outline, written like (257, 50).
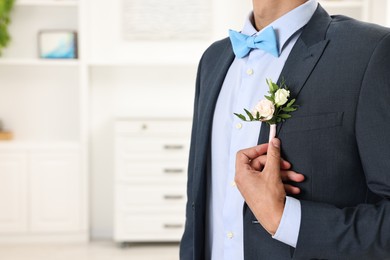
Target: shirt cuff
(290, 223)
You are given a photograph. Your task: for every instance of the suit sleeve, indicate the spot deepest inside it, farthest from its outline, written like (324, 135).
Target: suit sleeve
(361, 232)
(187, 243)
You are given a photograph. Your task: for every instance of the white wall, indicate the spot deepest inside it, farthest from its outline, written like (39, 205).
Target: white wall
(379, 8)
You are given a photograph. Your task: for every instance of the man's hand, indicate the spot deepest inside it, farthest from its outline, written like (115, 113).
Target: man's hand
(260, 177)
(286, 174)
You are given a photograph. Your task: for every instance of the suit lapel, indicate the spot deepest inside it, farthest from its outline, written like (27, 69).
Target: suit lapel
(303, 58)
(212, 85)
(211, 80)
(210, 88)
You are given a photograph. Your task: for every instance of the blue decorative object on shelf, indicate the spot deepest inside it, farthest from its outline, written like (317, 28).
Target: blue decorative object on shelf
(58, 44)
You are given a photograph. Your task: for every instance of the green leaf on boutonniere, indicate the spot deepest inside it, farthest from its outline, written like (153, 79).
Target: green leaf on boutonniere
(284, 116)
(249, 114)
(273, 87)
(289, 109)
(242, 117)
(257, 116)
(289, 104)
(270, 99)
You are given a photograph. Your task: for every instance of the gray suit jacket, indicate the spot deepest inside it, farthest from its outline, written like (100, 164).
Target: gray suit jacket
(339, 138)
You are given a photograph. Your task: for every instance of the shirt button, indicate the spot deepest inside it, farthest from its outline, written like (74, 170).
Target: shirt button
(230, 235)
(233, 184)
(238, 125)
(249, 72)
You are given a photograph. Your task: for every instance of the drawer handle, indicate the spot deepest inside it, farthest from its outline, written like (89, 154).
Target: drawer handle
(173, 171)
(173, 197)
(173, 147)
(173, 226)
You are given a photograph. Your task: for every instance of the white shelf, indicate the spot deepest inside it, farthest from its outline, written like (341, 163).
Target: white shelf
(14, 144)
(156, 58)
(152, 53)
(340, 3)
(70, 3)
(39, 62)
(142, 62)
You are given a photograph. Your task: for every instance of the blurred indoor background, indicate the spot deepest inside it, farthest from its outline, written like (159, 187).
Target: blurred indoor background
(95, 114)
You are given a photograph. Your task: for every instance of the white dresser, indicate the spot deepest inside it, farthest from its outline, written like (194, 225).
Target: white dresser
(150, 179)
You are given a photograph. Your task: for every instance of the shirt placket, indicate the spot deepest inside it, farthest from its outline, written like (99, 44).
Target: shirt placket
(233, 219)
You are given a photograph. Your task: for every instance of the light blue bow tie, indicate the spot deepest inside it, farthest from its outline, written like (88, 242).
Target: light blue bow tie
(243, 44)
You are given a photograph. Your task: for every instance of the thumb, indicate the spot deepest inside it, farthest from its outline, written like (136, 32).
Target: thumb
(273, 157)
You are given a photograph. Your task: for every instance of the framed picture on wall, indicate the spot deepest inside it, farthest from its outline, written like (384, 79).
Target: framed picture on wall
(166, 20)
(57, 44)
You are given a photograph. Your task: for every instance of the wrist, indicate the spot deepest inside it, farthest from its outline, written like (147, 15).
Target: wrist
(270, 219)
(275, 220)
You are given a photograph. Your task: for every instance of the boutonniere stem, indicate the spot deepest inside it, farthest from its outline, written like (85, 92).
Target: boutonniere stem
(275, 108)
(272, 132)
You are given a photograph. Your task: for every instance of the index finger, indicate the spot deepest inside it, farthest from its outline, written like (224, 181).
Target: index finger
(273, 156)
(246, 155)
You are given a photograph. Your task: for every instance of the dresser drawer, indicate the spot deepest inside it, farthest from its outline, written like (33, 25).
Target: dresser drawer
(149, 170)
(152, 196)
(154, 127)
(172, 145)
(131, 227)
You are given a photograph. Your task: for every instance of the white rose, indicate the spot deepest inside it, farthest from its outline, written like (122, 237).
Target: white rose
(265, 108)
(281, 96)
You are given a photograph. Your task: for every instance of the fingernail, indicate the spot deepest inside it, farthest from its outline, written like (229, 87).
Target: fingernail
(276, 142)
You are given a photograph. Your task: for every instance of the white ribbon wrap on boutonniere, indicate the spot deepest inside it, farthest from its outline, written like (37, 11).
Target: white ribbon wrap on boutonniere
(273, 109)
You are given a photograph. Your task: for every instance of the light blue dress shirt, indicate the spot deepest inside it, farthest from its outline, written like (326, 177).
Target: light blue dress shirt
(244, 85)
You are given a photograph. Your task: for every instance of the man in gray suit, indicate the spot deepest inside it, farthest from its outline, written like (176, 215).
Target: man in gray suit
(338, 69)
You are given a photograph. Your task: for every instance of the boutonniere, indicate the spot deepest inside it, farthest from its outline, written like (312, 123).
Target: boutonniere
(274, 109)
